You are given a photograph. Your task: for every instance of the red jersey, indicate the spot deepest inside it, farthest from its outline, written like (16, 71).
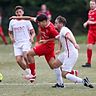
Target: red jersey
(48, 32)
(92, 17)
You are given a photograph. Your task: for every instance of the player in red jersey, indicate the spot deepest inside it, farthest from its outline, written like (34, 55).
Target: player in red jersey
(91, 23)
(1, 31)
(46, 45)
(44, 11)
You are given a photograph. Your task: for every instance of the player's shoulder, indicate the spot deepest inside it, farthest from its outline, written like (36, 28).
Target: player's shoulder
(51, 25)
(12, 21)
(66, 29)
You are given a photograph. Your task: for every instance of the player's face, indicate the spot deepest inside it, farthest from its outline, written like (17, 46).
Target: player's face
(92, 5)
(19, 12)
(43, 23)
(57, 25)
(43, 8)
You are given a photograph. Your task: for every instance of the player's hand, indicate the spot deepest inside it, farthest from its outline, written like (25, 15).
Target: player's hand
(57, 37)
(57, 52)
(43, 41)
(12, 40)
(36, 43)
(31, 40)
(85, 24)
(77, 46)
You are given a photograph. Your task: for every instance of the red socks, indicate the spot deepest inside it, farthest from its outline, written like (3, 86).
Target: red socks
(32, 68)
(74, 72)
(89, 55)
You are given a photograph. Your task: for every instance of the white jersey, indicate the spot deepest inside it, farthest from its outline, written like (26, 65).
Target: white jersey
(66, 43)
(21, 30)
(69, 57)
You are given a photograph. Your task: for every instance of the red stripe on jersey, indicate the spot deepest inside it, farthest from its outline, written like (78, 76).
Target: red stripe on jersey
(67, 45)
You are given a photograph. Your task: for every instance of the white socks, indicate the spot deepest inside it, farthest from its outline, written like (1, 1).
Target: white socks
(27, 71)
(74, 78)
(59, 75)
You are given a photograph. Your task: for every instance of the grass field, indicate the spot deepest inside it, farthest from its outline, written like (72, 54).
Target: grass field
(14, 85)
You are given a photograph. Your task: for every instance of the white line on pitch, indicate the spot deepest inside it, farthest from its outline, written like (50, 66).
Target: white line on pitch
(33, 84)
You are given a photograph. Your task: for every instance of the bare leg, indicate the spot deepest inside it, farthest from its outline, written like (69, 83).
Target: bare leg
(21, 62)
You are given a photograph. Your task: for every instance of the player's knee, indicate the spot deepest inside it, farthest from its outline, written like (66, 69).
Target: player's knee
(89, 46)
(30, 53)
(18, 60)
(64, 74)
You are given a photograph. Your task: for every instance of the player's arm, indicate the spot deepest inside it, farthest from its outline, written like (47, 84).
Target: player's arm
(91, 22)
(45, 41)
(24, 17)
(10, 33)
(32, 35)
(59, 47)
(85, 24)
(72, 39)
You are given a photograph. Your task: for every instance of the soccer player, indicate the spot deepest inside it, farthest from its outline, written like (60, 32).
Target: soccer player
(21, 33)
(1, 31)
(68, 57)
(91, 23)
(46, 48)
(45, 11)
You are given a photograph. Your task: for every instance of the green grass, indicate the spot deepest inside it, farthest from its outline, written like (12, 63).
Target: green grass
(81, 39)
(13, 75)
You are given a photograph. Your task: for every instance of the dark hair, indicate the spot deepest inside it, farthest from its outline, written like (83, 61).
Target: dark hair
(19, 7)
(61, 20)
(41, 18)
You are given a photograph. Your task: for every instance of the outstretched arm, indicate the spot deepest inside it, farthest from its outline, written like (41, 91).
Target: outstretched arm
(24, 17)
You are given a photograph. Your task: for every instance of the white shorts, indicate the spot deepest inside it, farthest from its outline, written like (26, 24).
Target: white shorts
(20, 48)
(68, 62)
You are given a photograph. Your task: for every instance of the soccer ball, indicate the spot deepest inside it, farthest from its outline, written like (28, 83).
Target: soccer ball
(1, 77)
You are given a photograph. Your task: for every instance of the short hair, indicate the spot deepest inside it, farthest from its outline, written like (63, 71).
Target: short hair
(19, 7)
(61, 20)
(41, 18)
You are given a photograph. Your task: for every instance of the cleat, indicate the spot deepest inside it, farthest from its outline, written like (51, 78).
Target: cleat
(58, 86)
(31, 78)
(87, 83)
(87, 65)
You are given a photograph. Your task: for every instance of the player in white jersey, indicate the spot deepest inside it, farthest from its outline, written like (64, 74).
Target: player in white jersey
(21, 33)
(68, 57)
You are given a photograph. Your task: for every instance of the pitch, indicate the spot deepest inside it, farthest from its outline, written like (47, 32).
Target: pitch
(14, 85)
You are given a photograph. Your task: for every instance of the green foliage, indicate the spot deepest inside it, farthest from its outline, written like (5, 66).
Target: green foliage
(74, 10)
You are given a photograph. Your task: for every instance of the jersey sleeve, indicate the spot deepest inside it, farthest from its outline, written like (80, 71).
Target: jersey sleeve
(29, 25)
(10, 26)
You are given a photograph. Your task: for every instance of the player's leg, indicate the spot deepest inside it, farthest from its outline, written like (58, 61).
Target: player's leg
(30, 61)
(3, 36)
(91, 41)
(67, 67)
(20, 59)
(50, 59)
(76, 79)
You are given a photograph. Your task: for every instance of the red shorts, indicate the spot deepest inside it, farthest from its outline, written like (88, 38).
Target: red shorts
(91, 39)
(45, 50)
